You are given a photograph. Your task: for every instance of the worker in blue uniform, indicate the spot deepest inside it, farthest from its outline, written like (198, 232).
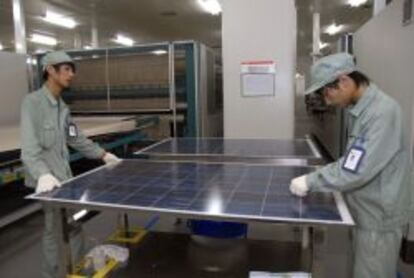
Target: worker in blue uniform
(374, 172)
(46, 130)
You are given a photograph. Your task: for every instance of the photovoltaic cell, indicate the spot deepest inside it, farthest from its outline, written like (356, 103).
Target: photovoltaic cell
(240, 191)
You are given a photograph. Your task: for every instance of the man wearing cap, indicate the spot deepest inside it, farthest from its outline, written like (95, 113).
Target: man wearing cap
(374, 172)
(46, 129)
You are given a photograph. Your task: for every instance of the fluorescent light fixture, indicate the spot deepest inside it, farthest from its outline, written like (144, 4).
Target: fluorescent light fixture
(334, 29)
(322, 45)
(40, 51)
(60, 20)
(32, 61)
(356, 3)
(19, 46)
(42, 39)
(159, 52)
(1, 46)
(124, 40)
(210, 6)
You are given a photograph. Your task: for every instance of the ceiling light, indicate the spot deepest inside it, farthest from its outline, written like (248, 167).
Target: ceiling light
(356, 3)
(1, 46)
(159, 52)
(211, 6)
(19, 47)
(322, 45)
(42, 39)
(334, 29)
(123, 40)
(60, 20)
(31, 61)
(40, 51)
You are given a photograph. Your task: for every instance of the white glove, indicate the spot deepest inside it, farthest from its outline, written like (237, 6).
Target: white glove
(110, 158)
(46, 183)
(299, 187)
(101, 253)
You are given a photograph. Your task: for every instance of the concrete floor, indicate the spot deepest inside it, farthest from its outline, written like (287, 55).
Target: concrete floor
(170, 252)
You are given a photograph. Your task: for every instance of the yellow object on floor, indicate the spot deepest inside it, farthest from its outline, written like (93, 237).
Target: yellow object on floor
(102, 273)
(133, 236)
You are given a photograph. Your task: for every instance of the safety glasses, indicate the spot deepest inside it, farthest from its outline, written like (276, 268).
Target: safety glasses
(331, 85)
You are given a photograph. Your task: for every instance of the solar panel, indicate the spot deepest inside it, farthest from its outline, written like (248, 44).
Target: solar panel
(228, 191)
(239, 147)
(219, 149)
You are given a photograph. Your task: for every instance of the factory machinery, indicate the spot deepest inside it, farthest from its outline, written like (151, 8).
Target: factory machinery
(180, 82)
(123, 98)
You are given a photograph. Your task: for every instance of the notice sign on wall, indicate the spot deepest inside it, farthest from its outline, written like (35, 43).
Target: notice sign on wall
(258, 78)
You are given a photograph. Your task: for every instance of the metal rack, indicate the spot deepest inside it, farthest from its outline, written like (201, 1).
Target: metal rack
(179, 81)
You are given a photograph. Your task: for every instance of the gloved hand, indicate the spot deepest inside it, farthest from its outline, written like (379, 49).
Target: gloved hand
(101, 253)
(110, 158)
(46, 183)
(299, 187)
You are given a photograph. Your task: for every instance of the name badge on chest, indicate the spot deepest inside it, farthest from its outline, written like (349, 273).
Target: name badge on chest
(353, 159)
(73, 130)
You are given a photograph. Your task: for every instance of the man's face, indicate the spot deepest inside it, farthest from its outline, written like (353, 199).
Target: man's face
(62, 75)
(338, 93)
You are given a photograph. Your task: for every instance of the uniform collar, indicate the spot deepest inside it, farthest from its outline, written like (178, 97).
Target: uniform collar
(363, 102)
(48, 94)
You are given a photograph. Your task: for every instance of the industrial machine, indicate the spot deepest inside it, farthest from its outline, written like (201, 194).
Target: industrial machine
(180, 82)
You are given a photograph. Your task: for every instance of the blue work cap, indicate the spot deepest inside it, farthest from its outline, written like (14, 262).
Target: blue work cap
(54, 58)
(329, 68)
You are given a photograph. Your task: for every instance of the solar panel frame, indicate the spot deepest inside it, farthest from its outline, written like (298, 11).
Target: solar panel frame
(346, 219)
(238, 150)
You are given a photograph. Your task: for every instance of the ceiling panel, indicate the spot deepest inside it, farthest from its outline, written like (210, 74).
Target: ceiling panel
(160, 20)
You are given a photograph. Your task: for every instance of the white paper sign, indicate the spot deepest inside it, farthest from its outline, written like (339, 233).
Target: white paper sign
(262, 274)
(258, 67)
(258, 78)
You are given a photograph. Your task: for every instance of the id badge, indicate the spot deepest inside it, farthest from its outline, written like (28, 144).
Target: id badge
(353, 159)
(73, 130)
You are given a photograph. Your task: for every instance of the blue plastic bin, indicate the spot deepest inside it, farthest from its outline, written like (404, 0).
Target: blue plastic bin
(217, 229)
(399, 275)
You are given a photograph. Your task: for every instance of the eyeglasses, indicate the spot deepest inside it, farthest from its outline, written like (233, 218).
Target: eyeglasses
(331, 85)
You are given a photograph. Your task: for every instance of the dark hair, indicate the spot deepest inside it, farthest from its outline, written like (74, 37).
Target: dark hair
(359, 78)
(57, 68)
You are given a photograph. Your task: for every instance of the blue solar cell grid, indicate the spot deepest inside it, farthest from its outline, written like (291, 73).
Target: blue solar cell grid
(236, 190)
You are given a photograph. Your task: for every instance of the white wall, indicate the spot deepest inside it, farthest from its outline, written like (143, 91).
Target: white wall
(259, 30)
(13, 86)
(384, 51)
